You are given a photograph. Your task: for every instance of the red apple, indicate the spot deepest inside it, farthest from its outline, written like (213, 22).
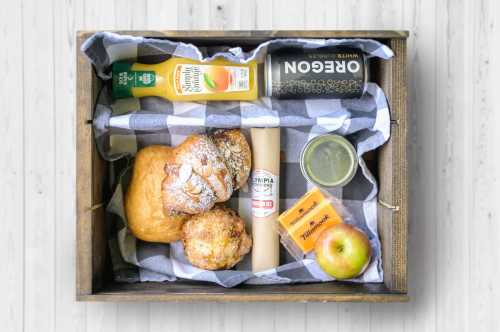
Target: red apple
(343, 251)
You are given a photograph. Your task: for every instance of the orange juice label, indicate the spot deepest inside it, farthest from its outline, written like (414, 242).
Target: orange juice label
(305, 204)
(192, 79)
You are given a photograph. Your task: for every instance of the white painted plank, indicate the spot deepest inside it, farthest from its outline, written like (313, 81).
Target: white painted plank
(194, 317)
(97, 15)
(469, 95)
(227, 317)
(288, 14)
(264, 14)
(224, 14)
(451, 237)
(130, 15)
(161, 15)
(481, 145)
(291, 317)
(39, 167)
(164, 316)
(70, 315)
(101, 317)
(354, 317)
(356, 14)
(247, 16)
(193, 15)
(132, 317)
(319, 13)
(259, 317)
(324, 317)
(11, 168)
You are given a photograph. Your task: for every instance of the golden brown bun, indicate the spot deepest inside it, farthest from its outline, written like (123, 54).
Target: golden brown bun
(202, 155)
(234, 147)
(216, 239)
(146, 217)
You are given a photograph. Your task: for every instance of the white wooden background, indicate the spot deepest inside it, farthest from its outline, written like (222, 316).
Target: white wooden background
(454, 250)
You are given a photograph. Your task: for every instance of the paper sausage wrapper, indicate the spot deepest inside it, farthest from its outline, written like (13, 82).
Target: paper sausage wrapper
(265, 197)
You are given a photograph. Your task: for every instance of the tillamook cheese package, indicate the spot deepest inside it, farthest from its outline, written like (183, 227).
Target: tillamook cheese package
(300, 226)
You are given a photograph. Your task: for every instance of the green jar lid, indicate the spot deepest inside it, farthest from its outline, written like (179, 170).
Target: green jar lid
(329, 161)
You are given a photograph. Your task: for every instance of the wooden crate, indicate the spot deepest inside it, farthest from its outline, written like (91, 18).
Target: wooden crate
(94, 276)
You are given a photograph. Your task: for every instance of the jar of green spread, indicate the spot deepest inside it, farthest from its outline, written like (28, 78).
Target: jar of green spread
(329, 161)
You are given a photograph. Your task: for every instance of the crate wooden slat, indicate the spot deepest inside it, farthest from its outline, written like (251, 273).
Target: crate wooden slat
(94, 280)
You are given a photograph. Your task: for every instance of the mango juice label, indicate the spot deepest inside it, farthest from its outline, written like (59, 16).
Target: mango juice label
(124, 79)
(206, 79)
(265, 186)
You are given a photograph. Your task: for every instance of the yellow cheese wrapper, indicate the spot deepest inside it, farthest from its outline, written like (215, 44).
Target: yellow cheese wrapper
(304, 205)
(307, 231)
(301, 225)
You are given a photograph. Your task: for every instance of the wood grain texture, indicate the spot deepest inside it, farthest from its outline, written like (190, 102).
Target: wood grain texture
(481, 169)
(39, 166)
(12, 190)
(453, 231)
(451, 258)
(83, 177)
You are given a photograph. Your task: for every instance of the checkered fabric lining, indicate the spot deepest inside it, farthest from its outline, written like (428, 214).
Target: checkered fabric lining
(124, 126)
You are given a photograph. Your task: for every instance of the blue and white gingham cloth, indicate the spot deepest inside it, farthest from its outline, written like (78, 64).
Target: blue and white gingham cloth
(124, 126)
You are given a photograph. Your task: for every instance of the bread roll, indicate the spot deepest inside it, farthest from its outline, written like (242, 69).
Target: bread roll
(202, 155)
(234, 147)
(191, 178)
(144, 209)
(186, 191)
(216, 239)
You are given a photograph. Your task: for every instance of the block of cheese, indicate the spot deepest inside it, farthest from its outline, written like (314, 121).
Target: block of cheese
(305, 204)
(301, 225)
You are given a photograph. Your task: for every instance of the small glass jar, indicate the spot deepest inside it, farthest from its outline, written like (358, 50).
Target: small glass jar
(329, 161)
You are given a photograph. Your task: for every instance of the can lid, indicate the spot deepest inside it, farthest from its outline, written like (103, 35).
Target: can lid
(268, 78)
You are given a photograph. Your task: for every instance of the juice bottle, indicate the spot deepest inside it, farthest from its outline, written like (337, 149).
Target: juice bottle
(182, 79)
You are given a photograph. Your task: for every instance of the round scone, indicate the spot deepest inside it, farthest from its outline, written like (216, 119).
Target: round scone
(234, 147)
(186, 191)
(215, 239)
(202, 155)
(146, 217)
